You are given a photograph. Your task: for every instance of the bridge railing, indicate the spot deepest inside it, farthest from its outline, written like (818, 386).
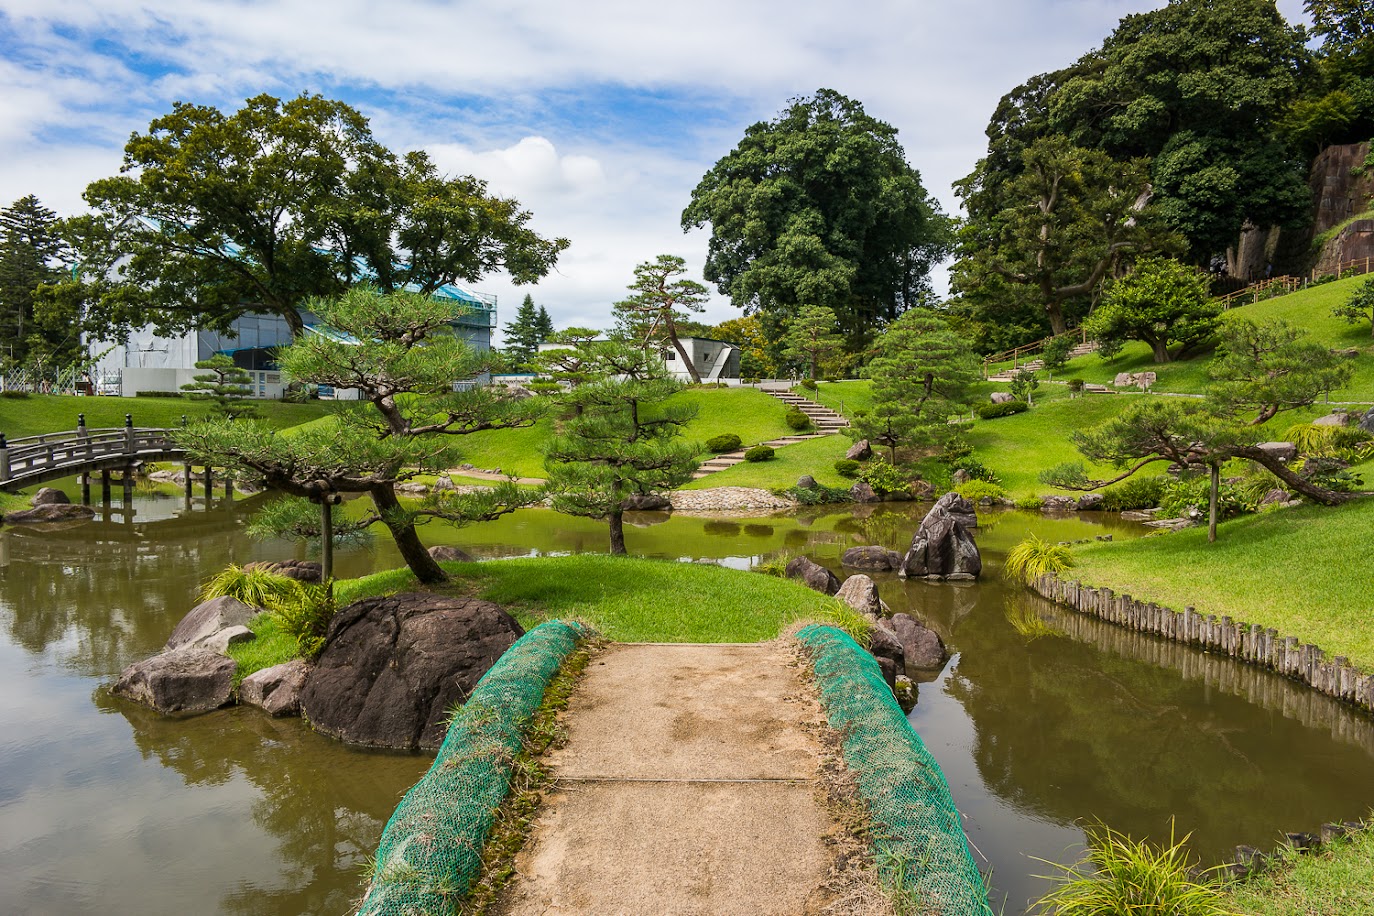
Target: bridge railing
(30, 454)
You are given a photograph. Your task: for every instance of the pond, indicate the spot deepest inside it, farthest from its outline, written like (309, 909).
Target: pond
(1043, 720)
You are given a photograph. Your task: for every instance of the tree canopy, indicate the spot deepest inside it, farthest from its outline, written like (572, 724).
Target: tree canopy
(1161, 302)
(32, 253)
(216, 215)
(661, 298)
(819, 207)
(524, 334)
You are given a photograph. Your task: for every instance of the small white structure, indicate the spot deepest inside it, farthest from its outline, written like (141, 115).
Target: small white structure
(715, 360)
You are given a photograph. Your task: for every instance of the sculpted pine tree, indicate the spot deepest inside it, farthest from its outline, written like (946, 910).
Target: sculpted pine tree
(921, 377)
(397, 350)
(812, 339)
(226, 385)
(622, 439)
(659, 302)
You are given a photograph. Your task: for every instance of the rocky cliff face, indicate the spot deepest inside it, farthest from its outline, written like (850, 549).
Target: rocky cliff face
(1339, 194)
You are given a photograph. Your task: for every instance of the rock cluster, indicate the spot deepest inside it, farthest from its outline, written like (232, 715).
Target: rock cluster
(1143, 380)
(727, 498)
(50, 505)
(943, 547)
(300, 570)
(874, 559)
(192, 674)
(392, 668)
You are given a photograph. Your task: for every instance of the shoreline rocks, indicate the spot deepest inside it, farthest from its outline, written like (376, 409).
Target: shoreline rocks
(727, 498)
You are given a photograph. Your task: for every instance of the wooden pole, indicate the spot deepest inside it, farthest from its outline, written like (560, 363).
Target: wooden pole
(105, 487)
(208, 494)
(1212, 509)
(326, 540)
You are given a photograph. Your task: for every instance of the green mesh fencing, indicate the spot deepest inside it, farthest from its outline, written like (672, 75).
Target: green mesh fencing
(918, 840)
(431, 851)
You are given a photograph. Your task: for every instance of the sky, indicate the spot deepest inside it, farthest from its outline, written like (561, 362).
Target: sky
(599, 116)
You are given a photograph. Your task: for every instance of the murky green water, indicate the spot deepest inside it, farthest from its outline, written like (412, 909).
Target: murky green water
(1043, 720)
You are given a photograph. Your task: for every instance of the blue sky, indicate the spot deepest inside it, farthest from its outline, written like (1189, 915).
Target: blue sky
(599, 116)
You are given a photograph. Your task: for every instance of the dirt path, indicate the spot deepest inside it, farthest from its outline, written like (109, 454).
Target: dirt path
(688, 785)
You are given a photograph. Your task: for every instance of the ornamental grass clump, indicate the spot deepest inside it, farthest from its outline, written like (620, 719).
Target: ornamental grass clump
(255, 587)
(1033, 558)
(1120, 875)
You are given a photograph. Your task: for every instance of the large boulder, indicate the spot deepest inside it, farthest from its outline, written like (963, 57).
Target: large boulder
(813, 575)
(393, 667)
(1090, 502)
(1366, 421)
(862, 492)
(806, 482)
(52, 512)
(942, 547)
(1340, 418)
(447, 553)
(208, 618)
(300, 570)
(276, 690)
(1283, 451)
(1003, 397)
(188, 680)
(882, 642)
(861, 594)
(922, 647)
(49, 496)
(646, 502)
(859, 451)
(874, 559)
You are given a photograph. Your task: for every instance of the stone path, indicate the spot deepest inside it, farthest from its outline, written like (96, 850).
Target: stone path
(688, 785)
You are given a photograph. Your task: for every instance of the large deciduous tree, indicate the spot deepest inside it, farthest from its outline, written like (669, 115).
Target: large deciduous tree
(622, 440)
(1066, 219)
(1161, 302)
(662, 298)
(819, 207)
(216, 215)
(398, 351)
(921, 376)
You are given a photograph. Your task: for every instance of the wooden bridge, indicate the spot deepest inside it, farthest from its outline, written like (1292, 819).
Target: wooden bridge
(52, 456)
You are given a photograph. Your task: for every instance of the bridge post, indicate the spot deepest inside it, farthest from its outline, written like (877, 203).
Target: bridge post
(86, 488)
(208, 493)
(128, 480)
(4, 458)
(105, 487)
(229, 487)
(82, 434)
(129, 433)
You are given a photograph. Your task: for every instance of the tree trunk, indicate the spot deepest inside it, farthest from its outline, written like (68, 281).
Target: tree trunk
(682, 352)
(326, 540)
(1161, 348)
(1212, 507)
(424, 566)
(617, 520)
(1058, 323)
(1283, 472)
(293, 321)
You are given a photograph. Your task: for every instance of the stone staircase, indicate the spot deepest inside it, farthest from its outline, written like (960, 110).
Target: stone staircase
(730, 459)
(825, 420)
(1035, 365)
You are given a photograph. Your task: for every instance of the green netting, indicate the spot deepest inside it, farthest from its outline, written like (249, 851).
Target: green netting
(431, 851)
(918, 840)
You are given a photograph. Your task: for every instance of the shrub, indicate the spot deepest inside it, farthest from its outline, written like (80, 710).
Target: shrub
(847, 467)
(1075, 385)
(158, 394)
(818, 495)
(1023, 383)
(809, 384)
(1134, 493)
(1190, 497)
(1057, 353)
(544, 386)
(980, 489)
(14, 394)
(1120, 875)
(1033, 558)
(797, 420)
(1030, 503)
(975, 469)
(883, 477)
(775, 565)
(759, 453)
(1005, 409)
(726, 442)
(1346, 442)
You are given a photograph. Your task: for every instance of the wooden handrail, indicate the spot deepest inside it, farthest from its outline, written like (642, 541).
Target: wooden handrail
(32, 455)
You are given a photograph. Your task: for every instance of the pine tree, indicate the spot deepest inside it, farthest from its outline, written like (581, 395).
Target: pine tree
(523, 335)
(812, 338)
(545, 325)
(658, 303)
(31, 252)
(225, 384)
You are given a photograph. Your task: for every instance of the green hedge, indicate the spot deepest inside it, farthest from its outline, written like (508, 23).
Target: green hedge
(1005, 409)
(759, 453)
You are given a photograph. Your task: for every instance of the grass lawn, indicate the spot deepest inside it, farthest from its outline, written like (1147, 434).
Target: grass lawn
(1338, 880)
(816, 457)
(48, 413)
(1309, 308)
(1302, 571)
(844, 398)
(627, 599)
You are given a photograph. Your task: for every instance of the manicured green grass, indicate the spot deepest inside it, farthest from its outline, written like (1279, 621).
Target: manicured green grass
(1338, 880)
(1301, 571)
(269, 646)
(844, 398)
(629, 599)
(816, 457)
(1309, 308)
(47, 413)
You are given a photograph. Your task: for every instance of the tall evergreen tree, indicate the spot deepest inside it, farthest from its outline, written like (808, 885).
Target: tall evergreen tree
(523, 334)
(545, 324)
(31, 254)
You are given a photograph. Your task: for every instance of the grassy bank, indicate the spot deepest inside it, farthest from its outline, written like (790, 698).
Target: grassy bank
(1338, 880)
(1301, 571)
(48, 413)
(816, 457)
(626, 598)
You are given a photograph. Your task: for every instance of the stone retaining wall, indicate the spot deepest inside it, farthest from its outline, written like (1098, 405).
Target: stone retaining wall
(1249, 643)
